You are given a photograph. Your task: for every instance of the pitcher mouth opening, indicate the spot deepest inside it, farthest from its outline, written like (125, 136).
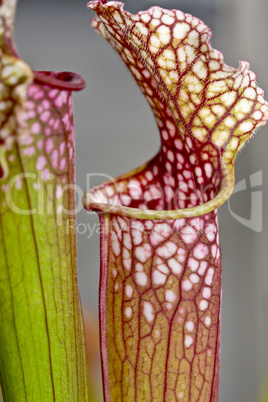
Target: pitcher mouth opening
(123, 196)
(63, 80)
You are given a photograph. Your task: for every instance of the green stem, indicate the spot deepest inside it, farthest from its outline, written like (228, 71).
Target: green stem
(41, 334)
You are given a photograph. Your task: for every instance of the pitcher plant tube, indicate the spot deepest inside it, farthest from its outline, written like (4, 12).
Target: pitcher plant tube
(42, 355)
(160, 287)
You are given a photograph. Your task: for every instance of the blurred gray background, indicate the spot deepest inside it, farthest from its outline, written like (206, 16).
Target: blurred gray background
(115, 132)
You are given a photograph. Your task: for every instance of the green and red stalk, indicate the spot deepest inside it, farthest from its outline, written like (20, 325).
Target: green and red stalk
(42, 353)
(160, 290)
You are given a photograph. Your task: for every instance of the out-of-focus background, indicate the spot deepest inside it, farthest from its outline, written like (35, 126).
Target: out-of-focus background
(115, 132)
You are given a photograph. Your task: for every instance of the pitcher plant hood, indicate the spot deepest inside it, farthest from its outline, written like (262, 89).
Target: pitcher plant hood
(16, 77)
(205, 111)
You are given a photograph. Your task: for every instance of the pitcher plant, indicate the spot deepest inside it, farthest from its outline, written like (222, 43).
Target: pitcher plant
(160, 286)
(42, 354)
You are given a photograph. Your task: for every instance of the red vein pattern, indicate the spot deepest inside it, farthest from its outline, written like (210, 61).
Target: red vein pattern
(160, 255)
(162, 308)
